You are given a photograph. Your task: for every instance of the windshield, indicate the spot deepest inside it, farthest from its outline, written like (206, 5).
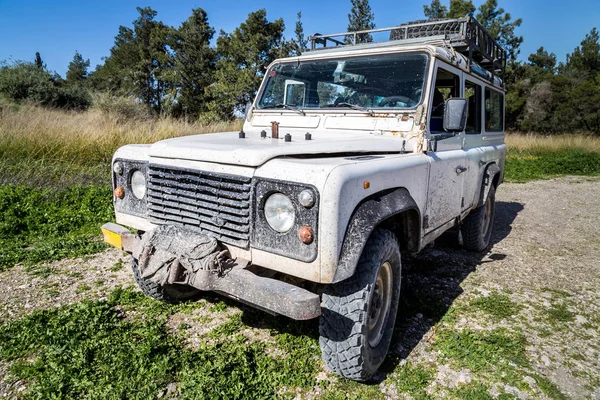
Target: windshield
(388, 81)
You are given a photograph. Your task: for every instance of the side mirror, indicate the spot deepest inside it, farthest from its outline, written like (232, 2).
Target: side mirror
(455, 115)
(248, 111)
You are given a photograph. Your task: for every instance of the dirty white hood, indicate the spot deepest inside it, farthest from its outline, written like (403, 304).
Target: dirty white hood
(253, 151)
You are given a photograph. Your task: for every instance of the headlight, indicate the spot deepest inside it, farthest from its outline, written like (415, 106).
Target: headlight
(279, 212)
(138, 184)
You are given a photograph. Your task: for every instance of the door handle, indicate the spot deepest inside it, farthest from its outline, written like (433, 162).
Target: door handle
(460, 170)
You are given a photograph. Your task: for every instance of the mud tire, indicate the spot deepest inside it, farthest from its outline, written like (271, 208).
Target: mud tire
(346, 338)
(477, 227)
(166, 293)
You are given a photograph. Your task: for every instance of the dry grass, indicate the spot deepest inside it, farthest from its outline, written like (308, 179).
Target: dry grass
(90, 136)
(49, 146)
(531, 143)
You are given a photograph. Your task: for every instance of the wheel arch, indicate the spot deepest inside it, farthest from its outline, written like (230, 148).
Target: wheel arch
(392, 209)
(491, 177)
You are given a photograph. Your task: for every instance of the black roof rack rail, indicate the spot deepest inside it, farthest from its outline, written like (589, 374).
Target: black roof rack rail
(465, 35)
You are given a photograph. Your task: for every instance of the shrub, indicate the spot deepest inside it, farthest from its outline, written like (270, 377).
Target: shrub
(120, 107)
(23, 81)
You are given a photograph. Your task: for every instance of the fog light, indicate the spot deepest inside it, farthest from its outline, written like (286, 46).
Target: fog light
(305, 234)
(119, 192)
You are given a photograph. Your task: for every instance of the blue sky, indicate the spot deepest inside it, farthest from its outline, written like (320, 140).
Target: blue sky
(56, 28)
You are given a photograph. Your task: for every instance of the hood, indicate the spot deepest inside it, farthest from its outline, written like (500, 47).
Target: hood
(253, 151)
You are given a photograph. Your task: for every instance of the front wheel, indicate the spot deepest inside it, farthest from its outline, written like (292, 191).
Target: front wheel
(358, 316)
(477, 227)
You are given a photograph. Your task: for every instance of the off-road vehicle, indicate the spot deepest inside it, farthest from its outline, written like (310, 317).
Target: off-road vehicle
(350, 154)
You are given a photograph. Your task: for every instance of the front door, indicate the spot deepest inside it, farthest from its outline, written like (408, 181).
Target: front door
(448, 162)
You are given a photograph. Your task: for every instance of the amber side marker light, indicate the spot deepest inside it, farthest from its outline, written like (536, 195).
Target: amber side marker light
(305, 234)
(366, 184)
(119, 192)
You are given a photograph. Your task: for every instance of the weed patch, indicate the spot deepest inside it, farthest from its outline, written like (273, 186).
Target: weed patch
(549, 388)
(92, 350)
(473, 391)
(43, 225)
(560, 313)
(529, 165)
(497, 305)
(413, 379)
(482, 351)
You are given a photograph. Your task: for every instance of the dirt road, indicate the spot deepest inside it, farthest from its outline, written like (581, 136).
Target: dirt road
(545, 259)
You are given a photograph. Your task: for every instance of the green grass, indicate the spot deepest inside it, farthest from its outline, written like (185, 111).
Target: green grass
(472, 391)
(413, 379)
(560, 313)
(496, 305)
(529, 165)
(90, 350)
(482, 351)
(549, 388)
(46, 225)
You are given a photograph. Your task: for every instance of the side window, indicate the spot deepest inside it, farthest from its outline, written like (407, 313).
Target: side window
(447, 86)
(473, 96)
(494, 111)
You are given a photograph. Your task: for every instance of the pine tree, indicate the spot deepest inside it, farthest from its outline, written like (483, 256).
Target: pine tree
(194, 64)
(242, 59)
(460, 8)
(78, 69)
(360, 18)
(38, 61)
(435, 10)
(500, 25)
(299, 43)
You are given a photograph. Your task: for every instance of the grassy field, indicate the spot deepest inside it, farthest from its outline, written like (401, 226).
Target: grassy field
(42, 147)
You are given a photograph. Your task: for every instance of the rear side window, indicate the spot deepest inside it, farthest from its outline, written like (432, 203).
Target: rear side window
(473, 96)
(494, 111)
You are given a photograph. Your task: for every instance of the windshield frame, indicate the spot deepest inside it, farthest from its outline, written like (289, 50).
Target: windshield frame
(345, 56)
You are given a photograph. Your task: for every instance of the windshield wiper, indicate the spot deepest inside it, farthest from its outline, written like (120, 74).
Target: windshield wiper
(286, 106)
(352, 106)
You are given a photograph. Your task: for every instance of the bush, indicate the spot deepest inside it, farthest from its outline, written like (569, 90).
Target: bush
(23, 81)
(122, 108)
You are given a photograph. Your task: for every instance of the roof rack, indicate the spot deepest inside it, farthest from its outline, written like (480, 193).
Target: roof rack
(465, 35)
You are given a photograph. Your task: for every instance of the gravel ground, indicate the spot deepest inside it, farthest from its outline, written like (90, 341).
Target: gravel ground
(545, 252)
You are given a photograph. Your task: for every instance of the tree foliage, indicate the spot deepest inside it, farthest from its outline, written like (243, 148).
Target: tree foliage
(78, 69)
(299, 43)
(361, 18)
(194, 65)
(23, 81)
(435, 10)
(500, 24)
(242, 59)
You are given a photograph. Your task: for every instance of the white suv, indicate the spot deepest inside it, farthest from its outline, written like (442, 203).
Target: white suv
(349, 155)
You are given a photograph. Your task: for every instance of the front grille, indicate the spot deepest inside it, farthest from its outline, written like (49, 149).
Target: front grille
(214, 204)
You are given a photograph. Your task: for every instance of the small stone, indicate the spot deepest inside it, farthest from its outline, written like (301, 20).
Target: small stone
(463, 378)
(546, 360)
(419, 315)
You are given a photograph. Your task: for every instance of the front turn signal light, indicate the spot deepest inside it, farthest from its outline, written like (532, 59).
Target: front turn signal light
(305, 234)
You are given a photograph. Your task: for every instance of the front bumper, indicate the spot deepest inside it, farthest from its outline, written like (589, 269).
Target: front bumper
(237, 282)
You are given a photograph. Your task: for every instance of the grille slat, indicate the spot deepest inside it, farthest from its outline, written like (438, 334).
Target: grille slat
(215, 204)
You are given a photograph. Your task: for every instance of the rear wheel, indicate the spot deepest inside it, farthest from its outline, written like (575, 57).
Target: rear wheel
(477, 227)
(166, 293)
(358, 317)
